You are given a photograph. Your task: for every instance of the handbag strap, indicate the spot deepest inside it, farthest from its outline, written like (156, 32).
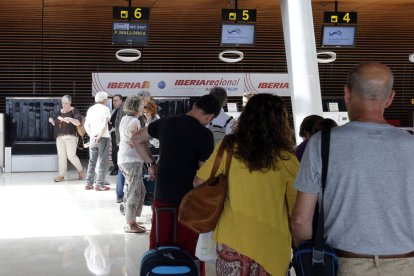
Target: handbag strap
(219, 156)
(325, 141)
(228, 160)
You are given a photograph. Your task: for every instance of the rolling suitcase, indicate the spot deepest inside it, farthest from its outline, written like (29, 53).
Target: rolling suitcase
(168, 260)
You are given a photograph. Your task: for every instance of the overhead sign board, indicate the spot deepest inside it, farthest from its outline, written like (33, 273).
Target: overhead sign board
(340, 17)
(245, 15)
(130, 13)
(187, 84)
(132, 33)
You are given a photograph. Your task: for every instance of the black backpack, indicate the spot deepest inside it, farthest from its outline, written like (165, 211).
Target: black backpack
(315, 257)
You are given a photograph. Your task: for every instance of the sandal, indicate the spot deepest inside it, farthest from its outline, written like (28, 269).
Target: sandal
(135, 228)
(101, 188)
(142, 228)
(59, 178)
(88, 187)
(81, 174)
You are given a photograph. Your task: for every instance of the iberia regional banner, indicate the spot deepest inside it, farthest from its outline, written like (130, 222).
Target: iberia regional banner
(189, 84)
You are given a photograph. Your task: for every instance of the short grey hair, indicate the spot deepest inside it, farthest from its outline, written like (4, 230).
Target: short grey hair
(101, 96)
(249, 94)
(66, 98)
(371, 80)
(220, 94)
(144, 93)
(131, 105)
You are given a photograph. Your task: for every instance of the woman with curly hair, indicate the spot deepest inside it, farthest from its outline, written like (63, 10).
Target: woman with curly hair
(130, 163)
(253, 233)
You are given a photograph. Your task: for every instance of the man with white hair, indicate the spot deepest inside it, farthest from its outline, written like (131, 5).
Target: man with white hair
(223, 124)
(96, 125)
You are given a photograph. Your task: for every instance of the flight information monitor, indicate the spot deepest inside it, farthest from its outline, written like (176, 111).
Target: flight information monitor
(338, 36)
(237, 34)
(131, 33)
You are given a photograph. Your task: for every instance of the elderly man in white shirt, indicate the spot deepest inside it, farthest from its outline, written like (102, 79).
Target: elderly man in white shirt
(96, 125)
(223, 124)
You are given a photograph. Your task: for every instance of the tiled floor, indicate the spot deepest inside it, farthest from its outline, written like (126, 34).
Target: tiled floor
(49, 228)
(52, 228)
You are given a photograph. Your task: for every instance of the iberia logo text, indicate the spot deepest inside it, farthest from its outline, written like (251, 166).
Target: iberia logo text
(216, 82)
(276, 85)
(129, 85)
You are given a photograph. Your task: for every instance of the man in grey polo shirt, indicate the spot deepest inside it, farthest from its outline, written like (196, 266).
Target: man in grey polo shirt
(369, 196)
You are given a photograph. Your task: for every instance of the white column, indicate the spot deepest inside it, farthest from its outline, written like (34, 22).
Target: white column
(301, 60)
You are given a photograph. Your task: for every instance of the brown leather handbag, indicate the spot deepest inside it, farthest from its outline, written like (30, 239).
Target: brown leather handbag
(201, 207)
(80, 128)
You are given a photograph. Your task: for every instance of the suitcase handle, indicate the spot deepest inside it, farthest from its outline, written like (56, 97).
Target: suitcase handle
(165, 209)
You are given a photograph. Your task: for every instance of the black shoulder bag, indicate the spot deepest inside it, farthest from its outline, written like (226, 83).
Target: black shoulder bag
(315, 257)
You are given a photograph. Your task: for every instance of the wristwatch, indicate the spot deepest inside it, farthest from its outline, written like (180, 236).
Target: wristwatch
(153, 163)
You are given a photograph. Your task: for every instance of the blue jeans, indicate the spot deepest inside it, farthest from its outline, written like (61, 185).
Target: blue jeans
(120, 181)
(98, 154)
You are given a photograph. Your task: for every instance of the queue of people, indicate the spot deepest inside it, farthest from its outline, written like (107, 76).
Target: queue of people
(271, 197)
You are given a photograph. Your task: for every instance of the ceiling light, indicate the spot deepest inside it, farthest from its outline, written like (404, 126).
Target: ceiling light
(231, 52)
(411, 57)
(331, 56)
(128, 58)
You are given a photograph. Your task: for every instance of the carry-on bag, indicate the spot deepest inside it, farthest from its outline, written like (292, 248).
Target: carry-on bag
(149, 187)
(315, 257)
(167, 260)
(200, 208)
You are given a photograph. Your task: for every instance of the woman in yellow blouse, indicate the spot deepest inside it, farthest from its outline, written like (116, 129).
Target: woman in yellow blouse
(253, 231)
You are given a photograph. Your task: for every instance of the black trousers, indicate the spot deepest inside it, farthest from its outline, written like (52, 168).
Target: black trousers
(115, 149)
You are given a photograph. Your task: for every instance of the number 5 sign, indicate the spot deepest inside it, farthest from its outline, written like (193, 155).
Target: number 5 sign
(244, 15)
